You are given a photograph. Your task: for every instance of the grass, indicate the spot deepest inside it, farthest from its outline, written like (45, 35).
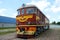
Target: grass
(7, 28)
(3, 33)
(1, 28)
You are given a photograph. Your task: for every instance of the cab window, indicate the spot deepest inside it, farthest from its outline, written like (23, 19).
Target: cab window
(30, 10)
(22, 11)
(18, 12)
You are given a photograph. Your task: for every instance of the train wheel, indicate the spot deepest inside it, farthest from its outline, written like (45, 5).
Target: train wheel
(46, 27)
(38, 31)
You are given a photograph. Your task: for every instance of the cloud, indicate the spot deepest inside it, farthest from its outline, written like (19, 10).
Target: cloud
(2, 11)
(7, 13)
(48, 16)
(13, 15)
(55, 9)
(57, 2)
(56, 6)
(40, 4)
(58, 17)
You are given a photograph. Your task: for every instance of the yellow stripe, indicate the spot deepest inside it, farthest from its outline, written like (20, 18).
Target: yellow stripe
(31, 25)
(24, 18)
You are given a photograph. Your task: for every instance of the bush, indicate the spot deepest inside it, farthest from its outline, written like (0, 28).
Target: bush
(54, 22)
(58, 23)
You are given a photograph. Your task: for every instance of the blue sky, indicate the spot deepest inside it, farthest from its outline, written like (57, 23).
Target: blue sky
(51, 8)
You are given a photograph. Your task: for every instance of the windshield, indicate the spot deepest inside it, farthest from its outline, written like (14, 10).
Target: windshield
(30, 10)
(22, 11)
(18, 12)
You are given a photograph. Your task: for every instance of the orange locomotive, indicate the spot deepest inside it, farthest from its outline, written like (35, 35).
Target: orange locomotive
(30, 21)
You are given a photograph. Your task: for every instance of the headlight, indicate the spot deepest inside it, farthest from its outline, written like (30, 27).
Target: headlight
(29, 23)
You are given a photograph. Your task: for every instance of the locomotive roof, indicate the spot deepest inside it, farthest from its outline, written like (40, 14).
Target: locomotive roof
(27, 6)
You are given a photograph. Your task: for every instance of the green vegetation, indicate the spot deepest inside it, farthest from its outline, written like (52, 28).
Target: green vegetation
(6, 30)
(58, 23)
(54, 22)
(1, 28)
(2, 33)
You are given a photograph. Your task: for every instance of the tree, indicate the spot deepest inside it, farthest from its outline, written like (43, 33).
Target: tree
(58, 23)
(54, 22)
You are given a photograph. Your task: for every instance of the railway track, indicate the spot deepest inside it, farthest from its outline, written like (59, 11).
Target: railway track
(52, 34)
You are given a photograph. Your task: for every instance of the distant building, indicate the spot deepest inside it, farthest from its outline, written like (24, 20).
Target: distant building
(7, 22)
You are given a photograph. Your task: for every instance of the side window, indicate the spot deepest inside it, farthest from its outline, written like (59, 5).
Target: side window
(18, 12)
(22, 11)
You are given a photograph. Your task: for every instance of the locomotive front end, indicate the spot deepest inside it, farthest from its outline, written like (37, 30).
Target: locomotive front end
(25, 22)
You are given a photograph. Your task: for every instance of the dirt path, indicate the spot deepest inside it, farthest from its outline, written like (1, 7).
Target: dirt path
(52, 34)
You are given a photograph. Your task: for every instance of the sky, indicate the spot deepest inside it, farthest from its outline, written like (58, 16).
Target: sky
(51, 8)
